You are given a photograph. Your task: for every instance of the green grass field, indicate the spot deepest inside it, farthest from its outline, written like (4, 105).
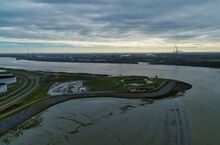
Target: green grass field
(121, 84)
(92, 82)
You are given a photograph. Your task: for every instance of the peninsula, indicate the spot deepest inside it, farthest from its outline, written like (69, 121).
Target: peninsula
(33, 92)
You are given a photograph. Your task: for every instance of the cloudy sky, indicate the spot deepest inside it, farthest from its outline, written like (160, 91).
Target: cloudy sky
(109, 25)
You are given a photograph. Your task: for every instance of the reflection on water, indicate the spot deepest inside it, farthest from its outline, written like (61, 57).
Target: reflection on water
(107, 121)
(75, 119)
(102, 121)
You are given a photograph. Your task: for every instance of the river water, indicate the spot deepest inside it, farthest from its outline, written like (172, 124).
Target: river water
(192, 118)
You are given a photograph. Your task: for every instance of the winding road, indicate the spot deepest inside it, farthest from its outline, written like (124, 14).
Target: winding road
(30, 84)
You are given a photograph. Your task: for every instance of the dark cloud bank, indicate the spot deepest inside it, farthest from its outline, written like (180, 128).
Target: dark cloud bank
(93, 19)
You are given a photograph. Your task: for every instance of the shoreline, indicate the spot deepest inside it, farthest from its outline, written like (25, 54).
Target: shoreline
(125, 62)
(171, 89)
(113, 62)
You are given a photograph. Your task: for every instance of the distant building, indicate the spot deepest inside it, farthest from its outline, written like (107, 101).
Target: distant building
(3, 88)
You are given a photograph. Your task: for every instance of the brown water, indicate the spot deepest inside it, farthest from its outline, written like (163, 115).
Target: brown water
(193, 117)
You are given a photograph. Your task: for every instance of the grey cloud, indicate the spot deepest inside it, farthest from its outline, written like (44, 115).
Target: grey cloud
(86, 19)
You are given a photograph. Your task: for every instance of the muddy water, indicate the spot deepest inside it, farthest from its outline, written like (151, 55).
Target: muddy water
(193, 118)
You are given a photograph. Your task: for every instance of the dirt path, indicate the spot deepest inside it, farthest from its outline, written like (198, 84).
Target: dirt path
(163, 91)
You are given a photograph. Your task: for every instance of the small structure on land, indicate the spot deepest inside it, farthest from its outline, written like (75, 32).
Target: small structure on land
(3, 88)
(6, 78)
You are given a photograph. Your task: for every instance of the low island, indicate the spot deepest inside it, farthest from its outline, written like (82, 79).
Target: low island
(34, 92)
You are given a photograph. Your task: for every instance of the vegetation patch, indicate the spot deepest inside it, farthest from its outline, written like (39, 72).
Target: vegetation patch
(93, 83)
(38, 84)
(123, 84)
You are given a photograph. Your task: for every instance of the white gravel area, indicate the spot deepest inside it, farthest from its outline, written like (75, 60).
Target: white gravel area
(64, 88)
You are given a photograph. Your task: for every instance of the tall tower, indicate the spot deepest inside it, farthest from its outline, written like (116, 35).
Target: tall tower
(176, 50)
(28, 52)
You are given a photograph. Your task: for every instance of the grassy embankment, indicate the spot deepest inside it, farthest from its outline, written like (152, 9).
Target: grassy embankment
(98, 83)
(92, 82)
(119, 84)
